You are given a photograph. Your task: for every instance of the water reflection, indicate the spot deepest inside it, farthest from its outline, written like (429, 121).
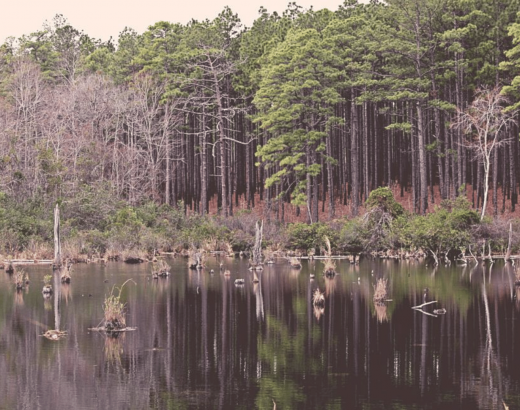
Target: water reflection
(202, 342)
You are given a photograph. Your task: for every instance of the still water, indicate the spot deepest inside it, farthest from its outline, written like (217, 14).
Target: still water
(204, 343)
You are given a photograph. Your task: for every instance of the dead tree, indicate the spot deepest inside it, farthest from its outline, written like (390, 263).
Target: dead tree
(482, 123)
(57, 242)
(257, 249)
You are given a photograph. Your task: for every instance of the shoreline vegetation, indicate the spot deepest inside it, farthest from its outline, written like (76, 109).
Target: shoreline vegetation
(452, 233)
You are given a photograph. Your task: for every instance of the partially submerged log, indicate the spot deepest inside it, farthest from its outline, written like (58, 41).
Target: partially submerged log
(112, 330)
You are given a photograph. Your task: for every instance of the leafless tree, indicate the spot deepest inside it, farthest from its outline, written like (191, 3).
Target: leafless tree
(483, 123)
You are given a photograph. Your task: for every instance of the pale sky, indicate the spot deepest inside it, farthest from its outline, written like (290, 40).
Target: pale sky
(101, 19)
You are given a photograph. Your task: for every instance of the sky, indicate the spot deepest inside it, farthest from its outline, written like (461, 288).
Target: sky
(101, 19)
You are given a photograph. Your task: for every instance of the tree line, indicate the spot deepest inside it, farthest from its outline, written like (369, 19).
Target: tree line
(312, 108)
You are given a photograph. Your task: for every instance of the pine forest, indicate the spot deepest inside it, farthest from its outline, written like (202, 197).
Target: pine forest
(298, 118)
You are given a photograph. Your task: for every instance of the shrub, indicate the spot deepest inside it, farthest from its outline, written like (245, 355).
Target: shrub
(448, 228)
(383, 199)
(305, 237)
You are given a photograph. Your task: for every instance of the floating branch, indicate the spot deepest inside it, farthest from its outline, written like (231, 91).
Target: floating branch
(424, 304)
(435, 313)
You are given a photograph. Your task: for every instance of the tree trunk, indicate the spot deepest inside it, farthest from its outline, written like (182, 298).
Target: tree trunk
(354, 155)
(57, 241)
(422, 160)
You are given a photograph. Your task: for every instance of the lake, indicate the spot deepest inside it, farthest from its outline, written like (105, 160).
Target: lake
(203, 342)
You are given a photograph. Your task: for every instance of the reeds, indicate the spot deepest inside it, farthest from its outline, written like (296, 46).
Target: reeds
(114, 310)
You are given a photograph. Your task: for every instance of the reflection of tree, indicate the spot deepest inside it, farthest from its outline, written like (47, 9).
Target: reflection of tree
(490, 391)
(57, 298)
(282, 355)
(257, 290)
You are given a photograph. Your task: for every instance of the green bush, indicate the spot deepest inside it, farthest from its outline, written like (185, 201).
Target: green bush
(305, 237)
(448, 228)
(383, 198)
(354, 236)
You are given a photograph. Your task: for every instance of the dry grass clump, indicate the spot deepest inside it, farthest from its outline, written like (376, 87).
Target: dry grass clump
(71, 248)
(114, 313)
(112, 254)
(21, 278)
(318, 298)
(228, 248)
(114, 310)
(380, 292)
(66, 272)
(295, 263)
(37, 250)
(47, 287)
(330, 267)
(160, 268)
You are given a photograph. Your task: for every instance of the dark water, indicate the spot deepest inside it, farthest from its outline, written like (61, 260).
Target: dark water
(203, 343)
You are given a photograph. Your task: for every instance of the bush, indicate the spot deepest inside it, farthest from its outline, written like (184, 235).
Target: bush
(354, 236)
(383, 199)
(448, 228)
(306, 237)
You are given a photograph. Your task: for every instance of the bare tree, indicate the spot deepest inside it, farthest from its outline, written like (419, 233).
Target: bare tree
(482, 123)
